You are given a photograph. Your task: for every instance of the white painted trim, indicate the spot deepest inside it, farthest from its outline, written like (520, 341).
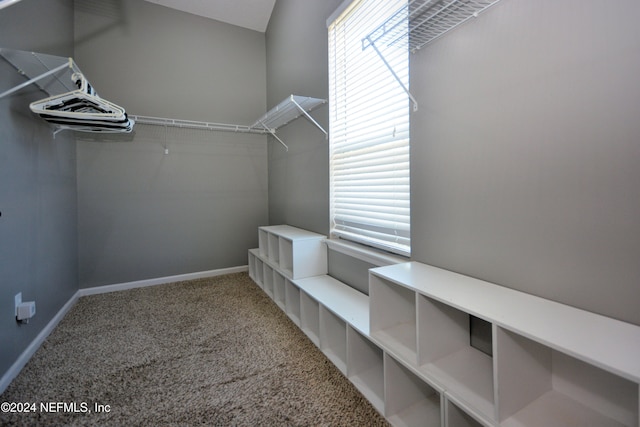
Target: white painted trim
(341, 8)
(22, 360)
(161, 280)
(364, 253)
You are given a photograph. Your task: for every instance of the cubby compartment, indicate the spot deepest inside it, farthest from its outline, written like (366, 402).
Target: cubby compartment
(286, 255)
(349, 304)
(295, 252)
(310, 318)
(456, 417)
(252, 265)
(260, 273)
(263, 242)
(539, 386)
(445, 354)
(409, 400)
(273, 245)
(333, 338)
(292, 301)
(279, 290)
(365, 368)
(393, 317)
(267, 279)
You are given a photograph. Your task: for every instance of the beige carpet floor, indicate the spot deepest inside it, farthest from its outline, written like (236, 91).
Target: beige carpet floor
(214, 352)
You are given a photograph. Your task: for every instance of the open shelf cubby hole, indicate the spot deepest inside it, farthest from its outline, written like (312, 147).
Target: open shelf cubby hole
(409, 401)
(260, 272)
(279, 290)
(333, 338)
(273, 248)
(365, 368)
(252, 267)
(446, 354)
(292, 301)
(267, 278)
(393, 317)
(538, 386)
(456, 417)
(286, 255)
(263, 243)
(310, 317)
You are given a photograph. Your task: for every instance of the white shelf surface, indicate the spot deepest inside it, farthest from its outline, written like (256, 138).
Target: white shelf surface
(34, 65)
(554, 408)
(286, 111)
(604, 342)
(457, 417)
(347, 303)
(279, 290)
(297, 253)
(291, 233)
(400, 339)
(267, 277)
(292, 301)
(310, 318)
(468, 374)
(393, 317)
(423, 21)
(333, 338)
(365, 368)
(409, 401)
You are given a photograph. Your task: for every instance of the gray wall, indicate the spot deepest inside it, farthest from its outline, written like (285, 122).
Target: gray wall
(297, 64)
(525, 148)
(143, 214)
(525, 152)
(38, 240)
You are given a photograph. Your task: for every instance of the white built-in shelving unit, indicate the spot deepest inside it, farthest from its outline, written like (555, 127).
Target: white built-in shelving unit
(406, 346)
(294, 252)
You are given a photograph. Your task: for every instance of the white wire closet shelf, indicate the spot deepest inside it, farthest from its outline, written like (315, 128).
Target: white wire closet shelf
(286, 111)
(49, 72)
(420, 22)
(69, 104)
(427, 21)
(52, 74)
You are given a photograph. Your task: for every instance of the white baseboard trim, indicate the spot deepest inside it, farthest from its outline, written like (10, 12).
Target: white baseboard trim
(22, 360)
(161, 280)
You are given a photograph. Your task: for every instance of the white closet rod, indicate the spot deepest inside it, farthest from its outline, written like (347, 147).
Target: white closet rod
(190, 124)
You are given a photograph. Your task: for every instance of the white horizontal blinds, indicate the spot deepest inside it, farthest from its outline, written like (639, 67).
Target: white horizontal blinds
(369, 131)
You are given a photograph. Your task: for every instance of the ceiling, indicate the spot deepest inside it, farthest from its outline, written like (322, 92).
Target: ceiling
(252, 14)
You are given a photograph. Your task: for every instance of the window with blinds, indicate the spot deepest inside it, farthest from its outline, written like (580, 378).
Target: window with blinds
(369, 130)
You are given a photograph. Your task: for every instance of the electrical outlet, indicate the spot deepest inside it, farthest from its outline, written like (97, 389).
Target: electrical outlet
(18, 301)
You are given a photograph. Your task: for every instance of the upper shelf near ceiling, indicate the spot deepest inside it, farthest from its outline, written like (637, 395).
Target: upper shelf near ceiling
(425, 21)
(50, 73)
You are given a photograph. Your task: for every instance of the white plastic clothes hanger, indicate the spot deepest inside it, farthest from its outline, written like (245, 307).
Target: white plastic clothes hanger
(82, 110)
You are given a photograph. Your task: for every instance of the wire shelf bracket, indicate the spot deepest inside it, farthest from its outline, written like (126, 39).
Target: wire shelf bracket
(421, 22)
(286, 111)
